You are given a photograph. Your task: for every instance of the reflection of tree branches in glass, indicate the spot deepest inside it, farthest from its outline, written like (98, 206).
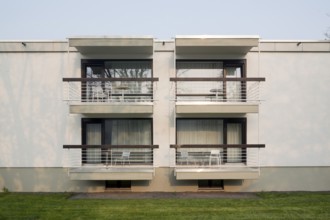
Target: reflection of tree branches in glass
(131, 71)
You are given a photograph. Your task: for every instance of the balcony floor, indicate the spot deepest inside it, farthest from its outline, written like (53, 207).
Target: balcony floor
(220, 172)
(216, 107)
(112, 108)
(112, 173)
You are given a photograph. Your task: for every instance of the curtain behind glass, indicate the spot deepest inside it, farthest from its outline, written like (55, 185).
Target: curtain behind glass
(234, 136)
(205, 131)
(93, 137)
(128, 132)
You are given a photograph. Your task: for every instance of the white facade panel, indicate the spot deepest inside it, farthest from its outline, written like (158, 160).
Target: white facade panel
(295, 118)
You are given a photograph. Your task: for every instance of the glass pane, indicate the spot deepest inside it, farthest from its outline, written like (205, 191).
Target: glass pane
(205, 131)
(199, 91)
(93, 137)
(233, 89)
(128, 69)
(234, 136)
(128, 132)
(199, 69)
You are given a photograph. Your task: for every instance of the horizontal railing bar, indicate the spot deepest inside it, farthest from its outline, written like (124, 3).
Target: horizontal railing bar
(109, 79)
(107, 146)
(176, 79)
(131, 94)
(217, 146)
(199, 94)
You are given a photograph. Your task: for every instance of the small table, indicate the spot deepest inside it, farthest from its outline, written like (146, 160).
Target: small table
(122, 88)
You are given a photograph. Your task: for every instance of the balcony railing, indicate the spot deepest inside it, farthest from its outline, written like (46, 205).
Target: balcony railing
(108, 90)
(223, 155)
(217, 90)
(110, 155)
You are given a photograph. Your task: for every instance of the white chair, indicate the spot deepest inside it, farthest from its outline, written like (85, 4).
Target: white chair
(215, 156)
(124, 158)
(97, 93)
(185, 157)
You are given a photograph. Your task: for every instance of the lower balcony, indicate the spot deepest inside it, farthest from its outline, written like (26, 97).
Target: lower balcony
(234, 161)
(111, 162)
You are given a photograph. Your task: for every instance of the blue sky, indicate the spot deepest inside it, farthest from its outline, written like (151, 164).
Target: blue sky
(59, 19)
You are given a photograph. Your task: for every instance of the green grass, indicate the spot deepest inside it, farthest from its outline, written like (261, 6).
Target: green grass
(268, 206)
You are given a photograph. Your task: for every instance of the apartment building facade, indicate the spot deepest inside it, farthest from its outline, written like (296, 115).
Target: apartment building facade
(231, 113)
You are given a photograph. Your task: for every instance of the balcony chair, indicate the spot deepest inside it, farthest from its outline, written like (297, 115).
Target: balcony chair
(184, 156)
(215, 155)
(98, 94)
(125, 157)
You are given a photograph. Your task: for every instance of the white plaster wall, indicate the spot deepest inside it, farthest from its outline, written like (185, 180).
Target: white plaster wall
(34, 120)
(295, 118)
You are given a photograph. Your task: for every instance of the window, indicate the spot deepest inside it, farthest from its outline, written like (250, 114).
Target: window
(208, 88)
(215, 132)
(116, 132)
(122, 70)
(117, 68)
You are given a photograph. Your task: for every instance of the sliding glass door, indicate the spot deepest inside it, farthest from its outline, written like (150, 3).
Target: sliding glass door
(213, 132)
(121, 132)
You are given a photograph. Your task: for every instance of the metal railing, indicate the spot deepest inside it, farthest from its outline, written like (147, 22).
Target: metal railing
(231, 155)
(110, 155)
(108, 90)
(217, 89)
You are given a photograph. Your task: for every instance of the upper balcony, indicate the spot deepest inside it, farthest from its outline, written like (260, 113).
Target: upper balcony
(109, 95)
(194, 95)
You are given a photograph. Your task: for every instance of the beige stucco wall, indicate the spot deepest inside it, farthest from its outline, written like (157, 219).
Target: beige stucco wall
(271, 179)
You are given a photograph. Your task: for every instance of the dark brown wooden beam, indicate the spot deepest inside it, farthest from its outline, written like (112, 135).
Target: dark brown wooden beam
(218, 146)
(107, 146)
(110, 79)
(206, 79)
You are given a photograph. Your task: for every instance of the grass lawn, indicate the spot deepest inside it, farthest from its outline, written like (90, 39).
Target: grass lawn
(298, 205)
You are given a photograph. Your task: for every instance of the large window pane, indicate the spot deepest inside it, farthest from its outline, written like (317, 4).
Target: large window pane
(234, 136)
(128, 69)
(200, 131)
(93, 137)
(128, 132)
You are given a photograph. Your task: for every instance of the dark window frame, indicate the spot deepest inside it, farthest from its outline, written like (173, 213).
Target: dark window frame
(226, 121)
(242, 63)
(85, 121)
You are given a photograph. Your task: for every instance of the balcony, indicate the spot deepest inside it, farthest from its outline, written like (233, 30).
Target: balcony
(234, 161)
(111, 162)
(109, 95)
(195, 95)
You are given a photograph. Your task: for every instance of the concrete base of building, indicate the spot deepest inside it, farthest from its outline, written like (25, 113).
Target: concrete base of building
(164, 180)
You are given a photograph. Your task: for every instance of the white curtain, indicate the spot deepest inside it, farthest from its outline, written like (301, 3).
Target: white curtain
(200, 131)
(93, 135)
(198, 69)
(234, 136)
(129, 132)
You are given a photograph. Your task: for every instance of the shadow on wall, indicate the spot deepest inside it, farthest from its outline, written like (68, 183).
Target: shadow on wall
(34, 117)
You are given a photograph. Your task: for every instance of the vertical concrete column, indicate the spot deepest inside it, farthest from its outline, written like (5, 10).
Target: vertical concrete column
(163, 68)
